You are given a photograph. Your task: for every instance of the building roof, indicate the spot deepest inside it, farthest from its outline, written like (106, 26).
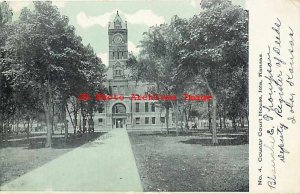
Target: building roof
(117, 23)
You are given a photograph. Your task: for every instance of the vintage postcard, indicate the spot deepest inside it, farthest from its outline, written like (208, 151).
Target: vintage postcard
(150, 96)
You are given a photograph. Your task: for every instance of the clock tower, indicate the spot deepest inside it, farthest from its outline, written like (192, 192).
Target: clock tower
(125, 112)
(118, 47)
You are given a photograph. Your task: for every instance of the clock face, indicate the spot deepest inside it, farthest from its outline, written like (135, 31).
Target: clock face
(117, 39)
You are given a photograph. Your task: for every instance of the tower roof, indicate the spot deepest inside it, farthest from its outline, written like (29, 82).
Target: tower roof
(117, 23)
(118, 17)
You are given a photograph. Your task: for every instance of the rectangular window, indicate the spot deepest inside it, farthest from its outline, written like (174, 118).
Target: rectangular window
(146, 120)
(146, 107)
(162, 119)
(137, 120)
(152, 107)
(121, 92)
(115, 89)
(100, 120)
(137, 107)
(153, 120)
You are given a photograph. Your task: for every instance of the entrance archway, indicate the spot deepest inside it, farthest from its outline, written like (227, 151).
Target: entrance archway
(119, 115)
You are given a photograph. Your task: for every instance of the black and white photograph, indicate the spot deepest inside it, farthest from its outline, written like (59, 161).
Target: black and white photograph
(127, 96)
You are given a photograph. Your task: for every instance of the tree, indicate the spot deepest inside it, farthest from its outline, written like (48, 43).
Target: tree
(6, 91)
(216, 48)
(210, 50)
(158, 62)
(51, 60)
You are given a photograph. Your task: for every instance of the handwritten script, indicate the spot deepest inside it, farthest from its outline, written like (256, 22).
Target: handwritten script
(276, 102)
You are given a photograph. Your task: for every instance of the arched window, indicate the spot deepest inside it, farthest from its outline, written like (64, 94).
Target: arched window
(118, 24)
(119, 108)
(118, 72)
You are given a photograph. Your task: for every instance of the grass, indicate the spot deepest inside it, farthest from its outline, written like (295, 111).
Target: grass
(20, 157)
(190, 163)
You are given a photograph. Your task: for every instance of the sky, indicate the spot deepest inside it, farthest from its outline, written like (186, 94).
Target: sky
(90, 18)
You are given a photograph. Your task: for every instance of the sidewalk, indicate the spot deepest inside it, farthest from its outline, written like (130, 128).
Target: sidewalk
(106, 164)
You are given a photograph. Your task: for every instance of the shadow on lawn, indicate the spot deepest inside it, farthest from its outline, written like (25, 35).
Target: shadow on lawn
(237, 140)
(57, 142)
(76, 141)
(172, 132)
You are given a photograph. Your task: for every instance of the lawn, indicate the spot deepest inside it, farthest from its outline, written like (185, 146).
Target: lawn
(20, 157)
(188, 163)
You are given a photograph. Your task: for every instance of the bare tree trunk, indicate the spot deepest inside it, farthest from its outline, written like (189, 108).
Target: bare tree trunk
(64, 117)
(1, 130)
(176, 118)
(214, 111)
(91, 125)
(48, 125)
(167, 118)
(8, 130)
(219, 115)
(214, 115)
(66, 126)
(18, 122)
(242, 122)
(83, 115)
(1, 111)
(24, 126)
(31, 124)
(214, 119)
(52, 118)
(28, 131)
(234, 123)
(79, 127)
(6, 134)
(84, 120)
(47, 107)
(181, 119)
(74, 122)
(12, 125)
(186, 119)
(209, 115)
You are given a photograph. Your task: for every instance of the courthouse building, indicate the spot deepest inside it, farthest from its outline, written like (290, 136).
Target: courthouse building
(127, 113)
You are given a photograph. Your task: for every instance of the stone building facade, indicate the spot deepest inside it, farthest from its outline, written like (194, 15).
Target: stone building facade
(127, 113)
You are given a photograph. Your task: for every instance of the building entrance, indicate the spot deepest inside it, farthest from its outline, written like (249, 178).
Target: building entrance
(119, 115)
(120, 123)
